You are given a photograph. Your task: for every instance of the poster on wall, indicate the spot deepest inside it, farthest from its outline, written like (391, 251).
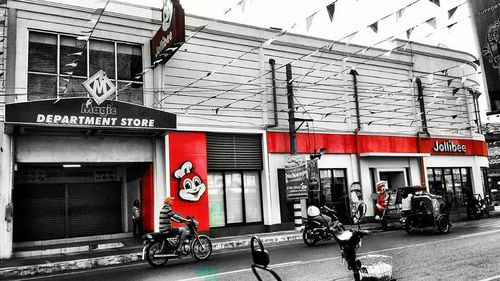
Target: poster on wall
(296, 178)
(486, 14)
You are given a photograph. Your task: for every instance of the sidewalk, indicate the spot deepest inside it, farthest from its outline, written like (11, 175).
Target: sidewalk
(130, 252)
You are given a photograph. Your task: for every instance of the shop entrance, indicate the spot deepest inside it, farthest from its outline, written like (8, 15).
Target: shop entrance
(56, 203)
(394, 179)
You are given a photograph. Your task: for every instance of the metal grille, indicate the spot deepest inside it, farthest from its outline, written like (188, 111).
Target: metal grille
(234, 152)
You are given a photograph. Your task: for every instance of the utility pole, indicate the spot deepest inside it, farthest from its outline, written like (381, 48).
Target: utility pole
(298, 211)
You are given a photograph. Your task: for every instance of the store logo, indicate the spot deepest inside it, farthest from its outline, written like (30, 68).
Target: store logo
(167, 13)
(191, 188)
(99, 87)
(448, 146)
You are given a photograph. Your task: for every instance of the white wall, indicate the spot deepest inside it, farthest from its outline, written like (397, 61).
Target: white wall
(6, 155)
(45, 149)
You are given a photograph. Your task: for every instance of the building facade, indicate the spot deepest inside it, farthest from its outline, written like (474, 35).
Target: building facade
(210, 125)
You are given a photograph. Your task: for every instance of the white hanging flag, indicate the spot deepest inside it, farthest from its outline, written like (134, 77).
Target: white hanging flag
(309, 21)
(268, 42)
(430, 77)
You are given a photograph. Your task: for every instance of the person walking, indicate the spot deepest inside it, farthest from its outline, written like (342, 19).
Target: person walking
(137, 218)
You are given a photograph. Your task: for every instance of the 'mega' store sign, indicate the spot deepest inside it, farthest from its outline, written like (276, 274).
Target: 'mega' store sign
(85, 112)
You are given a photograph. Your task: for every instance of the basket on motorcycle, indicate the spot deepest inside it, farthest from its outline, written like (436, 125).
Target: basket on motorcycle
(376, 266)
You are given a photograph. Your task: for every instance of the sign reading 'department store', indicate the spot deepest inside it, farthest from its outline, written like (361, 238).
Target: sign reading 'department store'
(85, 112)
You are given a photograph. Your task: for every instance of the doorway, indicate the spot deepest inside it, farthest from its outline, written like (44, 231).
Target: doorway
(394, 179)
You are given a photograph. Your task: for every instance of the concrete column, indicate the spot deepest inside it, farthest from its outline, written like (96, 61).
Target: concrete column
(124, 199)
(477, 182)
(266, 187)
(6, 185)
(160, 176)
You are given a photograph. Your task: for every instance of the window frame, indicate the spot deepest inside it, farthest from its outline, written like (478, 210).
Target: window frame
(332, 180)
(60, 75)
(241, 172)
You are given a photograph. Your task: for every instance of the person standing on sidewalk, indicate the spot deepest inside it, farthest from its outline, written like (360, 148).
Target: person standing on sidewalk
(137, 218)
(406, 203)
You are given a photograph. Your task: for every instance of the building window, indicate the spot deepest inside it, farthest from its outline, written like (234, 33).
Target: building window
(52, 72)
(234, 198)
(454, 184)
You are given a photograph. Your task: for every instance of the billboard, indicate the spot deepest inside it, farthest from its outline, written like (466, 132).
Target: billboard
(486, 14)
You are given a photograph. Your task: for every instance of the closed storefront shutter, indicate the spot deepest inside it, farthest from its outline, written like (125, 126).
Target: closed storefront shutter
(234, 152)
(39, 212)
(94, 208)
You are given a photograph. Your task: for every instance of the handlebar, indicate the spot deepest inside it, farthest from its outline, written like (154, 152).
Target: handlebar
(362, 233)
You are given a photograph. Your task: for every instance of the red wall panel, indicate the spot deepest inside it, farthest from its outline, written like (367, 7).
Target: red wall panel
(147, 198)
(189, 147)
(279, 142)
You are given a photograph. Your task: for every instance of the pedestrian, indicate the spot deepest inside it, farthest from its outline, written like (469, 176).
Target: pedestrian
(406, 203)
(137, 218)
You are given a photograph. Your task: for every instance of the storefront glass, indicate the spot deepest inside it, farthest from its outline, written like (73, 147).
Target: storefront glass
(453, 184)
(51, 76)
(333, 191)
(234, 198)
(216, 201)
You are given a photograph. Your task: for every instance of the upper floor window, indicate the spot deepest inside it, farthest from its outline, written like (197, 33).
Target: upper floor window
(52, 72)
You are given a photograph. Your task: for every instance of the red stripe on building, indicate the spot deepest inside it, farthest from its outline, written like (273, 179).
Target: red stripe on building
(147, 198)
(279, 142)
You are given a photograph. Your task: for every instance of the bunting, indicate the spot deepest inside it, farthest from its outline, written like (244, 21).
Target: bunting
(409, 32)
(331, 10)
(399, 14)
(436, 2)
(452, 12)
(374, 26)
(432, 22)
(309, 21)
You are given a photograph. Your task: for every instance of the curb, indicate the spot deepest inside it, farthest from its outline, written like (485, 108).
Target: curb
(92, 263)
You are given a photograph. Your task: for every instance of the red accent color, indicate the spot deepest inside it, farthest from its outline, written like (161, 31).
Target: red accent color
(189, 146)
(147, 198)
(279, 142)
(177, 30)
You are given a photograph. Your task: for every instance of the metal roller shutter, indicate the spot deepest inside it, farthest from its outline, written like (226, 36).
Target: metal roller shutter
(39, 212)
(94, 208)
(234, 152)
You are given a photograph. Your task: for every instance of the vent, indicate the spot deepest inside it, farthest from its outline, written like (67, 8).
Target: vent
(234, 152)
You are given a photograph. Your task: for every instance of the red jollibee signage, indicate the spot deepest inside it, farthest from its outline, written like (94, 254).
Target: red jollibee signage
(171, 33)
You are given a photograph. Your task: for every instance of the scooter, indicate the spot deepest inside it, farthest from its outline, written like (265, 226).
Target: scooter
(160, 247)
(320, 226)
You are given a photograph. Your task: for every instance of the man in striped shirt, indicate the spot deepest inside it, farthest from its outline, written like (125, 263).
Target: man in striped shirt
(167, 215)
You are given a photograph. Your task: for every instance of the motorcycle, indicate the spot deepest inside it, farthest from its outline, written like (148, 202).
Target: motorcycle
(160, 247)
(320, 225)
(349, 241)
(476, 207)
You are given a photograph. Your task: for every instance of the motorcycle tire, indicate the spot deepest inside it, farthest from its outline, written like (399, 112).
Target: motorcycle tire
(443, 224)
(308, 237)
(151, 250)
(383, 223)
(201, 249)
(407, 228)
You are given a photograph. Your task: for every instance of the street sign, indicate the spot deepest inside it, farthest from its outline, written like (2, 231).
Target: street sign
(296, 178)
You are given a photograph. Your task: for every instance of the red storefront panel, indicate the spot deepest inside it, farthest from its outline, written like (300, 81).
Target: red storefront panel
(279, 142)
(188, 175)
(147, 197)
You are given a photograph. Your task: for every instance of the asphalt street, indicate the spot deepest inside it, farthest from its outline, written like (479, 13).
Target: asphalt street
(469, 252)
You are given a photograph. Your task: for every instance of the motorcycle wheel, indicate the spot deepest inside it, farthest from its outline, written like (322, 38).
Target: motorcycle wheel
(151, 250)
(308, 237)
(383, 223)
(201, 248)
(443, 225)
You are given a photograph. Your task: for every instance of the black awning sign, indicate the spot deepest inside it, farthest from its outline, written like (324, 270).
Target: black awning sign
(83, 112)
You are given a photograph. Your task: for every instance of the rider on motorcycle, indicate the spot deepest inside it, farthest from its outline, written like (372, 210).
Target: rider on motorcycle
(166, 216)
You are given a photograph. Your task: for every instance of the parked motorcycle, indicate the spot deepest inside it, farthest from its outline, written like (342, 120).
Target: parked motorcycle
(477, 208)
(320, 225)
(160, 247)
(374, 267)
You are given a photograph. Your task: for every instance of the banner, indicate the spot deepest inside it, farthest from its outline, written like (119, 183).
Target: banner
(296, 178)
(486, 14)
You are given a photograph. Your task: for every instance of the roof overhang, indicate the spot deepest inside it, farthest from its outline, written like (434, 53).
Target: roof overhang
(84, 114)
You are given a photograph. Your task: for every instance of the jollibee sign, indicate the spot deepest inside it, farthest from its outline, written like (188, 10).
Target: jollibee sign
(448, 146)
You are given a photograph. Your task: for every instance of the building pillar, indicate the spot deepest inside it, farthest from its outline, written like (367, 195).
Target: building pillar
(161, 176)
(6, 184)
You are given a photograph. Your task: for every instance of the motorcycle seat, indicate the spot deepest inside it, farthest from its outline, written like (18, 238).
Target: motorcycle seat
(160, 235)
(345, 236)
(321, 219)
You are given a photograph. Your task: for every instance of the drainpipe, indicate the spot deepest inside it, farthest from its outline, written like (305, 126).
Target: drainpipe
(272, 62)
(425, 131)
